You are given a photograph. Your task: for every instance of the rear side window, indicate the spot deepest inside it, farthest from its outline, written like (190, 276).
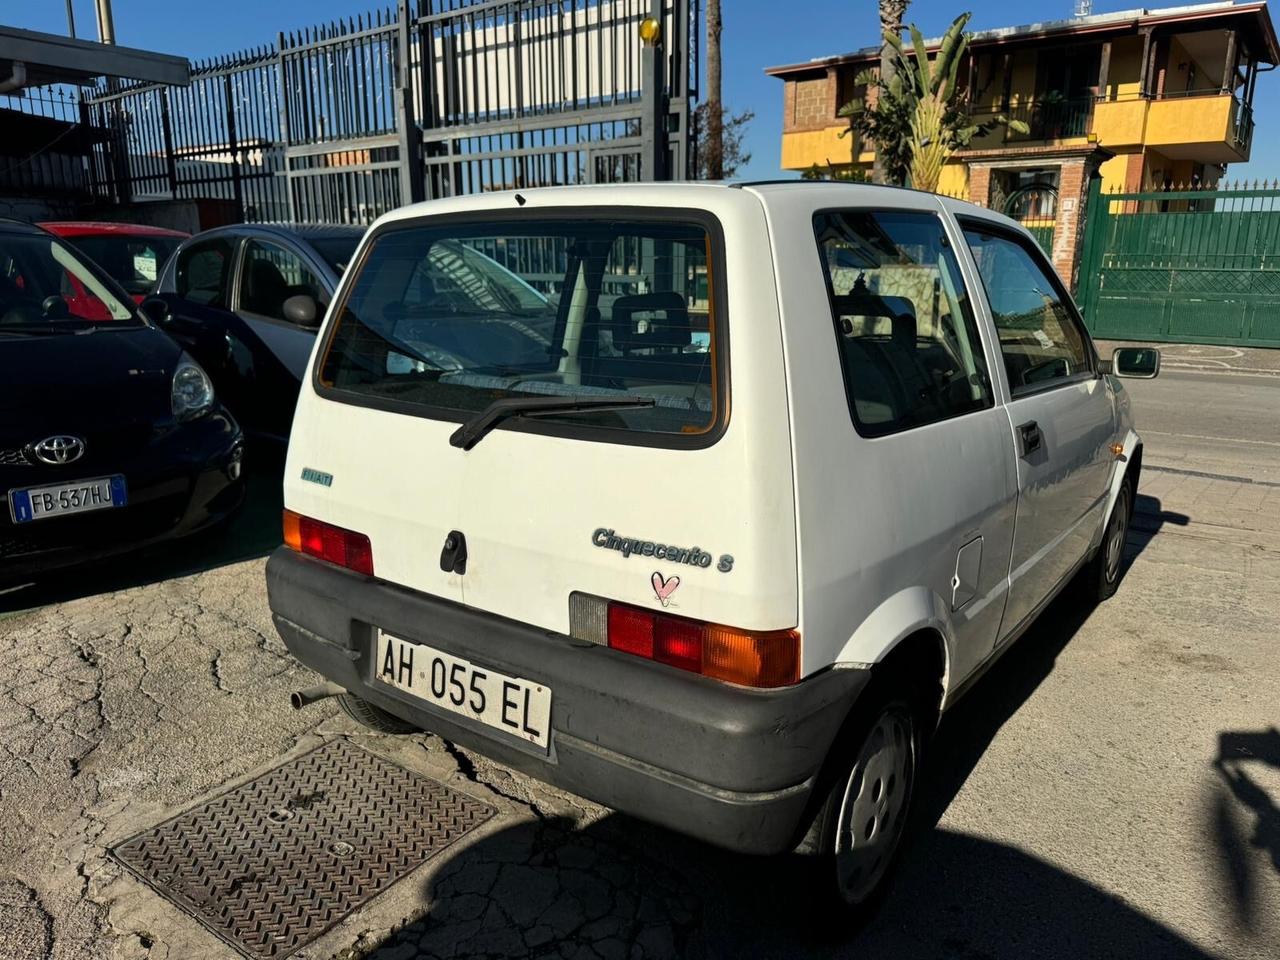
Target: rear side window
(133, 261)
(443, 320)
(907, 337)
(1040, 339)
(203, 270)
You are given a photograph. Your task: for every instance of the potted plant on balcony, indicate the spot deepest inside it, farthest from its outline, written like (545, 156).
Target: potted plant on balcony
(1049, 114)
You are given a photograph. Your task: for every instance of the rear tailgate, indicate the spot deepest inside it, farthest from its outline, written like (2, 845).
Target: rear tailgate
(705, 529)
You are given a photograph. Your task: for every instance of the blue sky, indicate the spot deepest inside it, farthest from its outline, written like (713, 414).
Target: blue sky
(757, 34)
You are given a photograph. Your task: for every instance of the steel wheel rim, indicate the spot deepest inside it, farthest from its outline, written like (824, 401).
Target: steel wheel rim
(873, 811)
(1116, 535)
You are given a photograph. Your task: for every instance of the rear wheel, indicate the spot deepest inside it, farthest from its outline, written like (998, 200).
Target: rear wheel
(855, 839)
(373, 717)
(1108, 564)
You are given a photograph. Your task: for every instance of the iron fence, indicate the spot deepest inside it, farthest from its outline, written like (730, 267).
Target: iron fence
(45, 141)
(344, 121)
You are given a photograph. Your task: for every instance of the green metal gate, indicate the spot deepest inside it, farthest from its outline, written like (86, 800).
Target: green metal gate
(1189, 266)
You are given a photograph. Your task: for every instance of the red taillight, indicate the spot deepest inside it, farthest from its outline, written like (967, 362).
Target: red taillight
(769, 658)
(345, 548)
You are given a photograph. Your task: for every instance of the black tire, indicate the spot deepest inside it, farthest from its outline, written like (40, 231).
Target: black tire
(1107, 567)
(375, 718)
(868, 786)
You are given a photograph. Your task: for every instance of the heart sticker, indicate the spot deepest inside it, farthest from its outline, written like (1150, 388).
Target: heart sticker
(663, 587)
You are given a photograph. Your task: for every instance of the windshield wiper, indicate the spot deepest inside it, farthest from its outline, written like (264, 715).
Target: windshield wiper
(38, 329)
(475, 429)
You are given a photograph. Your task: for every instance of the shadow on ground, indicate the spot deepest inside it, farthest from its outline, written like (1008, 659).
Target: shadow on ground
(253, 532)
(622, 888)
(619, 889)
(1237, 754)
(1149, 516)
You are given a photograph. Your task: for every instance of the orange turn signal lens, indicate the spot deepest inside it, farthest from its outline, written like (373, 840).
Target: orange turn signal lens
(292, 531)
(768, 659)
(324, 541)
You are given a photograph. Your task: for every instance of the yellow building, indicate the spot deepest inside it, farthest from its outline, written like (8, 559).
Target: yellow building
(1146, 99)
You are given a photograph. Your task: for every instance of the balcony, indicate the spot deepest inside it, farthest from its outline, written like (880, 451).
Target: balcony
(1209, 125)
(1216, 126)
(1048, 120)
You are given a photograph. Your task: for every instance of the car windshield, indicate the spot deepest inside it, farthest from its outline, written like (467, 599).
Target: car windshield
(336, 251)
(453, 318)
(133, 261)
(44, 283)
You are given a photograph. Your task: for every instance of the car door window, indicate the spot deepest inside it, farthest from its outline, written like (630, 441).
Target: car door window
(1040, 338)
(908, 341)
(203, 271)
(271, 275)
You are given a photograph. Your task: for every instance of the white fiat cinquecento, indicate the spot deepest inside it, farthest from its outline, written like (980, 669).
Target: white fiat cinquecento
(701, 501)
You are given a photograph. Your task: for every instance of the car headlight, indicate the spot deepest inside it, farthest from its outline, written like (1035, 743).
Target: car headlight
(192, 390)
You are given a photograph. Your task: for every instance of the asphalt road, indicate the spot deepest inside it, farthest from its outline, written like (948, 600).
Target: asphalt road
(1110, 789)
(1222, 423)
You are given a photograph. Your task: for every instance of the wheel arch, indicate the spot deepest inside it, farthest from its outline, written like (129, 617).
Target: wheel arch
(898, 628)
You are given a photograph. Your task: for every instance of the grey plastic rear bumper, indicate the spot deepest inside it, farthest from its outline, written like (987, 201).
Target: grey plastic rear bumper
(731, 766)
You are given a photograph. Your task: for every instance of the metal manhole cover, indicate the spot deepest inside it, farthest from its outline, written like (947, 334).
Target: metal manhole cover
(274, 863)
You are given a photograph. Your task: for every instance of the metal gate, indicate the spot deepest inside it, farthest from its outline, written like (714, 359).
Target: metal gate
(344, 121)
(1191, 266)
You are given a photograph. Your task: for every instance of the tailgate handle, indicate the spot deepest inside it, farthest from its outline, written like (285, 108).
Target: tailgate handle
(453, 558)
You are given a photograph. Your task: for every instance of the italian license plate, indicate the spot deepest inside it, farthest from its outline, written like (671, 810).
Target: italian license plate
(58, 499)
(515, 706)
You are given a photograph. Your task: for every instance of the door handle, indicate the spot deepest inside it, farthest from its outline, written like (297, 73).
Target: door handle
(1030, 439)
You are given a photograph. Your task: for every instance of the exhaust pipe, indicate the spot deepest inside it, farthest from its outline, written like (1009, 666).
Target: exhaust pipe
(302, 698)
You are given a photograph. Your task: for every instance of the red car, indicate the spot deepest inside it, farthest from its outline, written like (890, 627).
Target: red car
(133, 255)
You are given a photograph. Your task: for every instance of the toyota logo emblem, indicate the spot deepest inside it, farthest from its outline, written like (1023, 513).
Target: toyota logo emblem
(56, 451)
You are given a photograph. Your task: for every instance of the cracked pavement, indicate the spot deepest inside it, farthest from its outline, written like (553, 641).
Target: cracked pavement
(1110, 788)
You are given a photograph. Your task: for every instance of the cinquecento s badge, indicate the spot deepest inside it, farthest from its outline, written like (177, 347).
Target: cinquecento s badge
(607, 539)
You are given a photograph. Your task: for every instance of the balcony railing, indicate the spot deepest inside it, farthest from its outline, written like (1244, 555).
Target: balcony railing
(1047, 119)
(1242, 125)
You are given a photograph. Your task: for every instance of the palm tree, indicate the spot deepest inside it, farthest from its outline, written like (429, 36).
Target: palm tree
(920, 117)
(713, 143)
(892, 13)
(928, 91)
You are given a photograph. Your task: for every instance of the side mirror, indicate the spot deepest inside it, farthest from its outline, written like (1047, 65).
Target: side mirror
(155, 309)
(1142, 363)
(54, 308)
(303, 310)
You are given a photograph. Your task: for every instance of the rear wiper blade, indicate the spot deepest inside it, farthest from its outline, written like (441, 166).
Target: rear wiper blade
(475, 429)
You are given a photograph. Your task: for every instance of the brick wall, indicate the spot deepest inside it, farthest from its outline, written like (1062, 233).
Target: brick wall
(1072, 184)
(809, 104)
(980, 185)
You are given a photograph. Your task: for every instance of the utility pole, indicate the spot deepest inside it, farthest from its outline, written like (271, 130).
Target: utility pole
(71, 20)
(713, 143)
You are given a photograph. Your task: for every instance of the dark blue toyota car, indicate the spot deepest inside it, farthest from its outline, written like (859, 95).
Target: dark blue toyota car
(111, 436)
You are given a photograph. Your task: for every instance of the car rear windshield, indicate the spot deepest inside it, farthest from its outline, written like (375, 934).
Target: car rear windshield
(134, 261)
(443, 320)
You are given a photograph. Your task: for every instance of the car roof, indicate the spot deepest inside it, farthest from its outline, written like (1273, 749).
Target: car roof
(98, 228)
(679, 193)
(300, 231)
(19, 226)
